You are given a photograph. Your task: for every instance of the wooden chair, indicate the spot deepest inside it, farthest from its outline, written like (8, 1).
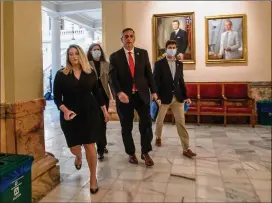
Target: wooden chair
(211, 101)
(192, 93)
(238, 102)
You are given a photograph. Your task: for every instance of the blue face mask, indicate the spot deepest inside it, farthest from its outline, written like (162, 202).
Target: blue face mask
(171, 52)
(96, 53)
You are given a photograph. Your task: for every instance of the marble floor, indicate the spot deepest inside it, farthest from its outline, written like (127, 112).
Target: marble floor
(233, 164)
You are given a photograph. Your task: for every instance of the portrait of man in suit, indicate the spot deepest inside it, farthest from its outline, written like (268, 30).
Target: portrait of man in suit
(178, 27)
(181, 38)
(225, 38)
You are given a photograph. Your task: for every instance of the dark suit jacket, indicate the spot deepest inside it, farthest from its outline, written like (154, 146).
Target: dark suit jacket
(181, 39)
(121, 79)
(166, 86)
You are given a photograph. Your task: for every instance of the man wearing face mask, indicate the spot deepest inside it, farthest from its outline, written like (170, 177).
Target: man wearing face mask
(99, 64)
(168, 75)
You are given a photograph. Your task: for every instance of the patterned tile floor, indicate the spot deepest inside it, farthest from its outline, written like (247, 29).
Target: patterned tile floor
(233, 164)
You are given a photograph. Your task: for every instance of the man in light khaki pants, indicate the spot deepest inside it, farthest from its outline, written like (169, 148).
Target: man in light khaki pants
(168, 75)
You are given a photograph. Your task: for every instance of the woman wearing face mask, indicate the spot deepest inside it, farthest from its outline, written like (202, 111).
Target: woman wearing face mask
(98, 62)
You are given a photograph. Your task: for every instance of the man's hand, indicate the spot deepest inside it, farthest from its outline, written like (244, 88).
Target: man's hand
(188, 101)
(123, 97)
(228, 49)
(218, 55)
(158, 102)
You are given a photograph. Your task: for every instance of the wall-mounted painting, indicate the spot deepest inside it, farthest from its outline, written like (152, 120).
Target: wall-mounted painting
(178, 27)
(226, 40)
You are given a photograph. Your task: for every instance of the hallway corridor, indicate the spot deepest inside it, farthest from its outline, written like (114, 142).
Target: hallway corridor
(233, 164)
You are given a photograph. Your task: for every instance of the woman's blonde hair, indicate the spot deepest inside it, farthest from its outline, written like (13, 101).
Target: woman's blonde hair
(83, 61)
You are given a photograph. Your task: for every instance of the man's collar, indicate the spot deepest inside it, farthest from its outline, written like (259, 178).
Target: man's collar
(172, 60)
(126, 51)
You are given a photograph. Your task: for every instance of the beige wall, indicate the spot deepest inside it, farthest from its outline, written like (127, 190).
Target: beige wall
(138, 15)
(112, 24)
(1, 57)
(22, 50)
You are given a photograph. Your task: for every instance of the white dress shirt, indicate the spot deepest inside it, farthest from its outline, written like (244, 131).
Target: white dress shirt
(176, 31)
(132, 54)
(172, 65)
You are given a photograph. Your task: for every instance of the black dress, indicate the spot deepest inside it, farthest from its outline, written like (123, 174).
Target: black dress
(81, 96)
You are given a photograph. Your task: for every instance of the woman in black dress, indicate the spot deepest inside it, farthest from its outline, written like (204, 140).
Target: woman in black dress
(76, 94)
(98, 62)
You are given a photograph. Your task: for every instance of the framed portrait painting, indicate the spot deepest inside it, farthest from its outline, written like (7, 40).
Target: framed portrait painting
(226, 40)
(178, 27)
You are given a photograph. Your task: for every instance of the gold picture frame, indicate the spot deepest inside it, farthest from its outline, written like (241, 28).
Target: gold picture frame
(163, 31)
(222, 46)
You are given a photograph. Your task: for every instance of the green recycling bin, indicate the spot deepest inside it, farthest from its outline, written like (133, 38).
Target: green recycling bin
(15, 178)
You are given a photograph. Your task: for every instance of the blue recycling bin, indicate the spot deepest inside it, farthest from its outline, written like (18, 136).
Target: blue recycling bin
(264, 111)
(15, 178)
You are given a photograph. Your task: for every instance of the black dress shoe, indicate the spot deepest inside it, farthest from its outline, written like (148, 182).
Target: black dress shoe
(100, 157)
(106, 150)
(93, 191)
(78, 166)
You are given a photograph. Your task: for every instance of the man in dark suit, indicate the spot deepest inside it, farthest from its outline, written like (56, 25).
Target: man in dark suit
(168, 75)
(181, 38)
(131, 79)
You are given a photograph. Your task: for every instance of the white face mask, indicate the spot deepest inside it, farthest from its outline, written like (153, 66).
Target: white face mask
(171, 52)
(96, 53)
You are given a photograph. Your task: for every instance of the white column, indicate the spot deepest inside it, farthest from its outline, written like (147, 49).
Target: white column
(55, 46)
(89, 37)
(91, 34)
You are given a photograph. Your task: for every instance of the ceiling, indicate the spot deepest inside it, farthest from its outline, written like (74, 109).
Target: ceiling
(95, 14)
(88, 13)
(66, 2)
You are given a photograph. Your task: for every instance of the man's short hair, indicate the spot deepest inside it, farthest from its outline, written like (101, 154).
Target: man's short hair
(175, 21)
(127, 29)
(170, 42)
(229, 21)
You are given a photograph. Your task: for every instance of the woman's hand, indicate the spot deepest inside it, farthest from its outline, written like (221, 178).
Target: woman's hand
(106, 116)
(105, 112)
(69, 115)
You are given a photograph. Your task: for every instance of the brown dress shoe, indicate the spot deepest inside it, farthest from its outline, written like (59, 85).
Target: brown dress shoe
(158, 142)
(187, 154)
(133, 159)
(192, 153)
(147, 159)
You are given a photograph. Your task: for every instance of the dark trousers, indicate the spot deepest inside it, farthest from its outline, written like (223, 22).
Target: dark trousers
(102, 140)
(126, 115)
